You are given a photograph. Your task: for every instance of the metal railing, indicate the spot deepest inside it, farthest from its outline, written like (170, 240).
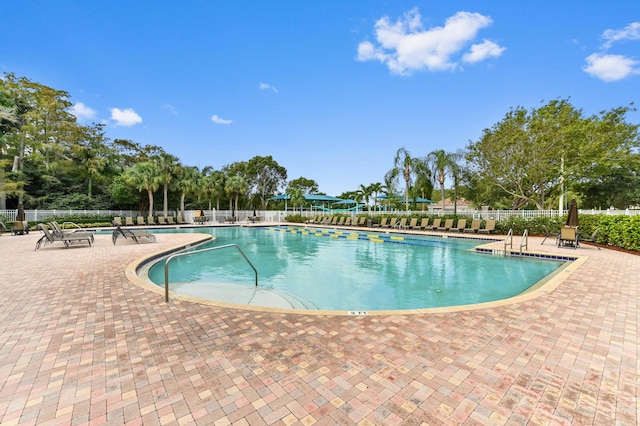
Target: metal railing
(174, 256)
(508, 241)
(525, 240)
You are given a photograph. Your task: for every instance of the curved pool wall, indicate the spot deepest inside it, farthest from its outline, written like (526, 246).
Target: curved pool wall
(329, 269)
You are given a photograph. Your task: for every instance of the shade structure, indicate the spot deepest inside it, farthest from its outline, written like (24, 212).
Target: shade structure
(421, 200)
(572, 217)
(385, 196)
(308, 197)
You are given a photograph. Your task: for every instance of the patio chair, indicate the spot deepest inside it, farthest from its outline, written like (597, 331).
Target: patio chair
(568, 237)
(128, 221)
(180, 220)
(448, 224)
(117, 220)
(341, 221)
(170, 220)
(161, 220)
(67, 239)
(135, 234)
(402, 224)
(475, 226)
(392, 224)
(489, 227)
(347, 221)
(140, 220)
(382, 224)
(462, 224)
(20, 227)
(593, 238)
(436, 224)
(413, 224)
(151, 220)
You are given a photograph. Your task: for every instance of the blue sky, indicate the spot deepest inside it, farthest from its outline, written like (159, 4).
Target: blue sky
(330, 89)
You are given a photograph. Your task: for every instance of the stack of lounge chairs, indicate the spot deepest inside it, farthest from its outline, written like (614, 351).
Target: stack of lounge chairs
(50, 236)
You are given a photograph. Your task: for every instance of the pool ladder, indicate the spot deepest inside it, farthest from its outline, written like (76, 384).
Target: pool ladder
(174, 256)
(523, 243)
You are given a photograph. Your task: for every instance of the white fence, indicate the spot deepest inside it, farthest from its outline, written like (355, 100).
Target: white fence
(221, 216)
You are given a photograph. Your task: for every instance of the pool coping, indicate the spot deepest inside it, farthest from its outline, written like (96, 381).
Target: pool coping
(543, 287)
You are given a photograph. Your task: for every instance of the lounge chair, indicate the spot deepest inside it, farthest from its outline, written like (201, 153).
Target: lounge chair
(591, 239)
(568, 237)
(448, 224)
(170, 220)
(151, 220)
(402, 224)
(462, 223)
(393, 223)
(382, 224)
(136, 235)
(67, 239)
(489, 227)
(128, 221)
(117, 220)
(413, 224)
(424, 223)
(363, 221)
(56, 229)
(180, 220)
(475, 226)
(140, 220)
(435, 225)
(341, 221)
(347, 221)
(548, 233)
(161, 220)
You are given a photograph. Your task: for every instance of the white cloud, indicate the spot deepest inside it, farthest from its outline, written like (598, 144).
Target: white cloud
(630, 32)
(265, 86)
(482, 51)
(219, 120)
(405, 46)
(170, 108)
(80, 110)
(610, 67)
(125, 117)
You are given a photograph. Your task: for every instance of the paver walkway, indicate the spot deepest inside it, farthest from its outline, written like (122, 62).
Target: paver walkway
(81, 344)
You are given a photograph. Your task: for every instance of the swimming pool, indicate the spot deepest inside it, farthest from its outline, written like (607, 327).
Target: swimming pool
(340, 270)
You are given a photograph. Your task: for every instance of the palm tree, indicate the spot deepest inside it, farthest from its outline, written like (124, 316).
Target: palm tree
(169, 167)
(404, 165)
(144, 176)
(442, 163)
(297, 198)
(187, 184)
(365, 192)
(235, 186)
(375, 189)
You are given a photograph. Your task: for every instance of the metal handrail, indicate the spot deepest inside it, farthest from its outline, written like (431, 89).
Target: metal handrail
(174, 256)
(510, 241)
(525, 240)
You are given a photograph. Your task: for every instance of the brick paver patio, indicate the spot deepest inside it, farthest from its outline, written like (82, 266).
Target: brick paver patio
(81, 344)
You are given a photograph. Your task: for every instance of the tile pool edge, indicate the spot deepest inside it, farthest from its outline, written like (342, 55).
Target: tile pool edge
(543, 287)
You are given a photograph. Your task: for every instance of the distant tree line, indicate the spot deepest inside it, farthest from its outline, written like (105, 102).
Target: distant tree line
(531, 158)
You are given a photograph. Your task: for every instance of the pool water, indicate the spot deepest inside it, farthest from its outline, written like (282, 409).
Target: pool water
(339, 270)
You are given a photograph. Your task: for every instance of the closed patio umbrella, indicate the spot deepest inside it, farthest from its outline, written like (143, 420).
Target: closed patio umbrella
(572, 217)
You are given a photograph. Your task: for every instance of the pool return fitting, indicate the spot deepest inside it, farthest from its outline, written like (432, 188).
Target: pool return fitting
(174, 256)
